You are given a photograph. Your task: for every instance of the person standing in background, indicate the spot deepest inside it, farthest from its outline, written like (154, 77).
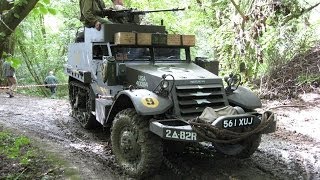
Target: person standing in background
(51, 83)
(9, 73)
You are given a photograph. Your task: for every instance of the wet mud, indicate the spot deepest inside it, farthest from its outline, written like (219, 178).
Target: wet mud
(293, 152)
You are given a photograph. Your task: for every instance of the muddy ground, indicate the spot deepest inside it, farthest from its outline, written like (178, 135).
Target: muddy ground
(293, 152)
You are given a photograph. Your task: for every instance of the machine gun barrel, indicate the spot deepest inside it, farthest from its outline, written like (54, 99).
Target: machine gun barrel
(158, 10)
(130, 12)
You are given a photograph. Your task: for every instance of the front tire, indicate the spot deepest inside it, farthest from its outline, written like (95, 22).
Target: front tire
(137, 150)
(242, 149)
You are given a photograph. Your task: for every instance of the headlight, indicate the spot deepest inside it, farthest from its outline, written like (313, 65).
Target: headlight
(164, 84)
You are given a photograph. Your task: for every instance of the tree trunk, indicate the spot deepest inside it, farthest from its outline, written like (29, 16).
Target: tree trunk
(5, 5)
(44, 35)
(11, 19)
(31, 69)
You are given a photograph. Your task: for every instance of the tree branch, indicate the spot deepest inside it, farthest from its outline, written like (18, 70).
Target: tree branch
(5, 5)
(14, 17)
(30, 67)
(11, 19)
(295, 16)
(238, 9)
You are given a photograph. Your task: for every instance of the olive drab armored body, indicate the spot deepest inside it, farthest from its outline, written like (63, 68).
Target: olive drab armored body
(141, 82)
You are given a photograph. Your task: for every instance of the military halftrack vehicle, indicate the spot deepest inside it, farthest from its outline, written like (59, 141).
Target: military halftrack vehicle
(141, 82)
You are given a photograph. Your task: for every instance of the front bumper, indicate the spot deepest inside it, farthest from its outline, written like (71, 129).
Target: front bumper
(180, 130)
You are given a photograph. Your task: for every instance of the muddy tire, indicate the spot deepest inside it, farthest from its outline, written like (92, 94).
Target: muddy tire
(243, 149)
(137, 150)
(82, 104)
(174, 147)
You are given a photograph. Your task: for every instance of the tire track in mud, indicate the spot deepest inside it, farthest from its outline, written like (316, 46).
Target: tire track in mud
(40, 119)
(299, 155)
(282, 155)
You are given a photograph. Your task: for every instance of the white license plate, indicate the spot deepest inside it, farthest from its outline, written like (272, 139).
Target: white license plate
(238, 122)
(180, 135)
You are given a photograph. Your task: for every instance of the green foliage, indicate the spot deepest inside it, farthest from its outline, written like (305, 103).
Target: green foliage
(15, 62)
(43, 47)
(282, 44)
(4, 136)
(15, 147)
(43, 10)
(46, 1)
(308, 79)
(221, 34)
(43, 7)
(16, 15)
(21, 160)
(20, 2)
(52, 11)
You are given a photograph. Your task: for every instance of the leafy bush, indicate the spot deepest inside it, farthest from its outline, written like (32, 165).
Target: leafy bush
(20, 160)
(258, 36)
(15, 147)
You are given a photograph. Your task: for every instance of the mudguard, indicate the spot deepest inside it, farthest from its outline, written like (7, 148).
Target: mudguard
(244, 98)
(146, 102)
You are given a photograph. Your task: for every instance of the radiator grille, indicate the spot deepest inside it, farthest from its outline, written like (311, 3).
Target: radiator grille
(193, 99)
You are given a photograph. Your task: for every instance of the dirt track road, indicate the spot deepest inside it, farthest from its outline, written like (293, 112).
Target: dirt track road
(293, 152)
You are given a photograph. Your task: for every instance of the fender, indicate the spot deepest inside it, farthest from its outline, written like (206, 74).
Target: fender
(244, 98)
(144, 101)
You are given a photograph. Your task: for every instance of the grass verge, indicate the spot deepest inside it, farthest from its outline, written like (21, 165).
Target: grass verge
(20, 159)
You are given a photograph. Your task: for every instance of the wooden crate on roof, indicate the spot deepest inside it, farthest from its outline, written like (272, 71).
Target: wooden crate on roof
(174, 40)
(159, 39)
(125, 38)
(144, 38)
(188, 40)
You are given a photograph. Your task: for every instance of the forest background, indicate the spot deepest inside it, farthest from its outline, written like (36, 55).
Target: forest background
(251, 37)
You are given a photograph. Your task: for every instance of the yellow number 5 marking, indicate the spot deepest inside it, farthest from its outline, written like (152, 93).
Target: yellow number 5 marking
(150, 102)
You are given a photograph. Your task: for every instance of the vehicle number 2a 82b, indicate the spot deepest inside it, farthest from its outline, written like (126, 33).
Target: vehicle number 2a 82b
(183, 135)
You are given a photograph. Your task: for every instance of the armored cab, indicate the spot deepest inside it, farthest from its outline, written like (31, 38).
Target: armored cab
(141, 82)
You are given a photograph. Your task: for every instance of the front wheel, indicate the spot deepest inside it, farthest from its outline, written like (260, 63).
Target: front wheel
(137, 150)
(243, 149)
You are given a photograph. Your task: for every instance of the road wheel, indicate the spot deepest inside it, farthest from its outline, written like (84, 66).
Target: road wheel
(137, 150)
(82, 104)
(243, 149)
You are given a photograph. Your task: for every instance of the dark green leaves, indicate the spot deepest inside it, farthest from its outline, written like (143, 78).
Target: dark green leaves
(46, 1)
(43, 8)
(52, 11)
(15, 62)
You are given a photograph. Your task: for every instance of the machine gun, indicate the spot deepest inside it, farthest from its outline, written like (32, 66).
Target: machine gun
(131, 15)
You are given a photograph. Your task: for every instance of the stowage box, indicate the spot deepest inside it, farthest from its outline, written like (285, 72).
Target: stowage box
(174, 40)
(127, 38)
(188, 40)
